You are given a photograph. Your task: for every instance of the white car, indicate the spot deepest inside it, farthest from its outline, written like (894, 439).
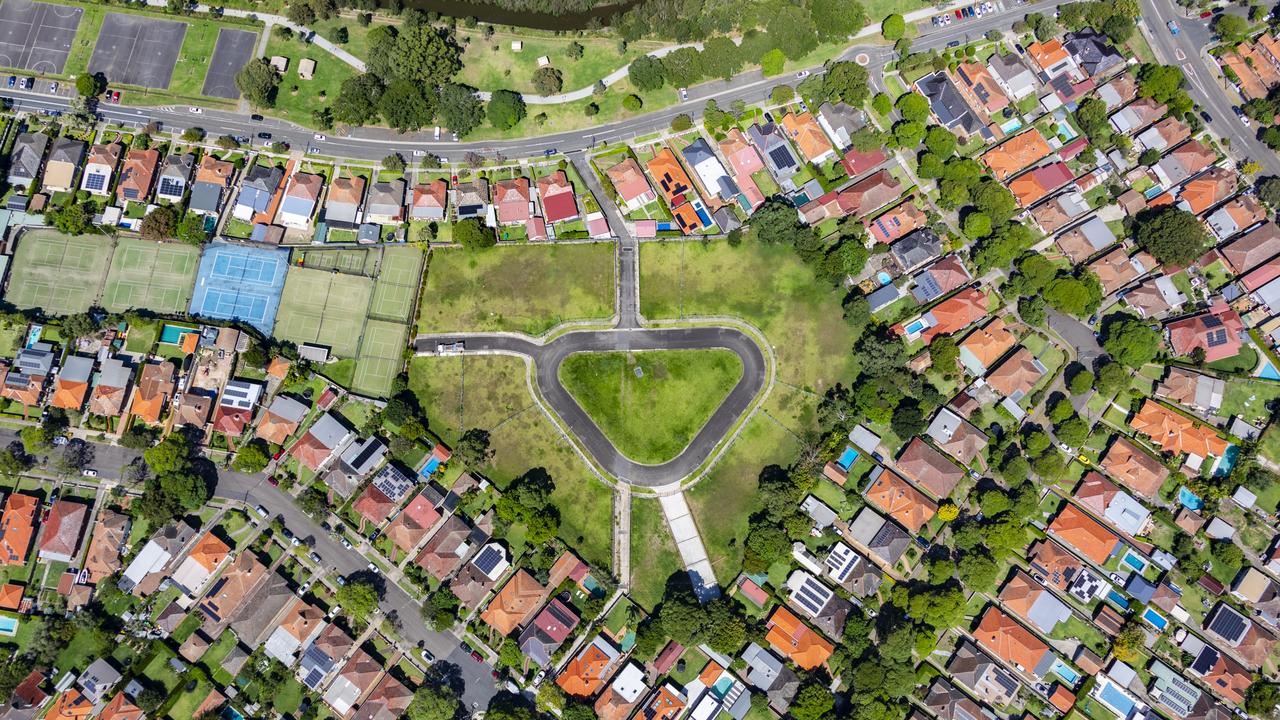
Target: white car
(60, 440)
(319, 138)
(802, 74)
(684, 93)
(437, 132)
(195, 110)
(419, 153)
(262, 512)
(345, 543)
(1244, 120)
(89, 472)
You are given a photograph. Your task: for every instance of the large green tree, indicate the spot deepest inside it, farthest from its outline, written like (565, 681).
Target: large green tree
(1129, 341)
(506, 109)
(1172, 235)
(258, 82)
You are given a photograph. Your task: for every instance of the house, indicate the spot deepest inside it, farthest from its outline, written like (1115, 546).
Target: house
(412, 524)
(1165, 134)
(548, 630)
(1052, 59)
(192, 409)
(373, 506)
(97, 680)
(230, 591)
(980, 90)
(947, 702)
(948, 105)
(897, 221)
(71, 387)
(1014, 78)
(863, 198)
(629, 183)
(280, 420)
(429, 201)
(620, 698)
(900, 500)
(100, 167)
(514, 604)
(778, 156)
(797, 641)
(881, 538)
(300, 198)
(1118, 91)
(1106, 500)
(852, 571)
(1218, 332)
(555, 192)
(1036, 184)
(807, 134)
(137, 175)
(323, 655)
(715, 179)
(235, 407)
(590, 669)
(64, 159)
(983, 347)
(1016, 154)
(387, 701)
(916, 248)
(1184, 161)
(1239, 213)
(143, 574)
(1092, 52)
(342, 206)
(206, 556)
(1206, 190)
(1016, 375)
(354, 680)
(385, 204)
(325, 438)
(1154, 297)
(1088, 536)
(26, 157)
(1247, 639)
(1137, 115)
(672, 180)
(60, 536)
(472, 199)
(107, 399)
(301, 623)
(744, 162)
(1177, 434)
(1002, 636)
(1060, 210)
(1116, 269)
(942, 277)
(110, 532)
(447, 549)
(1086, 239)
(1033, 602)
(259, 184)
(1200, 392)
(212, 182)
(840, 121)
(666, 704)
(513, 199)
(154, 389)
(17, 527)
(121, 708)
(767, 673)
(1219, 671)
(953, 435)
(1253, 586)
(70, 705)
(175, 176)
(985, 678)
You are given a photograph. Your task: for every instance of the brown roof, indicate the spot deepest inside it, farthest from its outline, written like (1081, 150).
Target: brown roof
(412, 524)
(901, 501)
(929, 468)
(1016, 375)
(232, 587)
(1016, 154)
(966, 444)
(193, 410)
(1116, 269)
(1252, 249)
(446, 550)
(62, 528)
(387, 701)
(1005, 638)
(213, 170)
(137, 174)
(103, 558)
(155, 387)
(1134, 468)
(302, 620)
(518, 600)
(373, 505)
(628, 180)
(1088, 536)
(346, 190)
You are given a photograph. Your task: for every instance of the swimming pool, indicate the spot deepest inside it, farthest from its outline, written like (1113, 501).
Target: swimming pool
(172, 334)
(1268, 371)
(703, 216)
(231, 713)
(847, 458)
(33, 336)
(1188, 499)
(1062, 670)
(1228, 461)
(1135, 562)
(884, 277)
(1118, 599)
(1159, 621)
(1116, 699)
(1011, 126)
(8, 625)
(430, 467)
(915, 327)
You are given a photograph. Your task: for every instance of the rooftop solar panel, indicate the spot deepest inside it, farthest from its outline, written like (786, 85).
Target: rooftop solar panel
(488, 559)
(95, 182)
(1229, 624)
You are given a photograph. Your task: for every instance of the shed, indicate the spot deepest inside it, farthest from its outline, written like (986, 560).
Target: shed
(306, 68)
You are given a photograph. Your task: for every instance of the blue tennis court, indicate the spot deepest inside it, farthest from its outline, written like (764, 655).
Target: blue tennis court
(237, 282)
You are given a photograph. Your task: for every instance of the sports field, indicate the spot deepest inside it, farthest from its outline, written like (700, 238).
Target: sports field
(62, 275)
(324, 308)
(398, 278)
(381, 357)
(353, 261)
(150, 276)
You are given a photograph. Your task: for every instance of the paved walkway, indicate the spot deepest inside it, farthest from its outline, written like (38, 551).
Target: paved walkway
(685, 532)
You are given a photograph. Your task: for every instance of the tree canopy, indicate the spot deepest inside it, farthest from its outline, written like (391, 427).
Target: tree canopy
(1172, 235)
(257, 82)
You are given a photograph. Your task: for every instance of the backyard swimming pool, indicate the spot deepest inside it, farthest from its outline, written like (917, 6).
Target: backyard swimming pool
(1228, 461)
(847, 458)
(1135, 562)
(884, 277)
(1269, 372)
(915, 327)
(8, 626)
(1157, 620)
(172, 334)
(1188, 499)
(1062, 670)
(430, 467)
(1118, 599)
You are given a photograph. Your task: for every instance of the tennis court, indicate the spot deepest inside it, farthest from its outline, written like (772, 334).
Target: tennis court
(353, 261)
(237, 282)
(324, 308)
(397, 284)
(150, 276)
(381, 357)
(60, 274)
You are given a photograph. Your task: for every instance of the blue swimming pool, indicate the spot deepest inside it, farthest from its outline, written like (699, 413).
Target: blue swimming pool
(847, 458)
(884, 278)
(1118, 599)
(1011, 126)
(231, 713)
(665, 227)
(8, 625)
(33, 335)
(1269, 372)
(1111, 695)
(172, 334)
(1156, 619)
(1064, 671)
(1188, 499)
(915, 327)
(430, 467)
(1228, 461)
(1135, 562)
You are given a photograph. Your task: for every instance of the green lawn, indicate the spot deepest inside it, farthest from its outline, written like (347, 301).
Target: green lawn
(193, 60)
(522, 288)
(1249, 398)
(654, 557)
(651, 404)
(1244, 362)
(491, 64)
(296, 98)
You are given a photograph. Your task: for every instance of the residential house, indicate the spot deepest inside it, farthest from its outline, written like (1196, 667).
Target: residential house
(192, 409)
(137, 175)
(947, 702)
(796, 641)
(110, 532)
(548, 630)
(324, 653)
(1060, 210)
(212, 183)
(983, 347)
(1137, 115)
(1092, 52)
(155, 387)
(897, 221)
(980, 89)
(744, 162)
(1088, 536)
(1086, 239)
(429, 200)
(70, 705)
(1105, 499)
(60, 536)
(953, 435)
(1184, 161)
(590, 668)
(259, 184)
(235, 407)
(354, 680)
(281, 419)
(1134, 468)
(300, 624)
(1218, 331)
(915, 249)
(882, 539)
(1014, 78)
(1052, 59)
(1206, 190)
(778, 156)
(387, 701)
(666, 704)
(1239, 213)
(97, 680)
(175, 176)
(944, 276)
(807, 134)
(1254, 587)
(25, 159)
(1118, 91)
(206, 556)
(974, 669)
(1015, 377)
(447, 549)
(853, 572)
(1038, 183)
(948, 105)
(412, 524)
(121, 708)
(623, 694)
(1218, 671)
(232, 589)
(514, 604)
(64, 160)
(1117, 269)
(629, 183)
(514, 201)
(715, 179)
(1249, 641)
(1002, 636)
(1016, 154)
(144, 573)
(1186, 387)
(555, 192)
(373, 506)
(300, 198)
(1177, 433)
(471, 199)
(385, 204)
(947, 317)
(862, 198)
(1163, 135)
(840, 121)
(111, 389)
(325, 438)
(71, 387)
(100, 167)
(672, 180)
(900, 500)
(17, 527)
(342, 206)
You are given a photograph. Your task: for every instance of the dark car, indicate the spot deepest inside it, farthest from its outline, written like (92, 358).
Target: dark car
(264, 136)
(1206, 116)
(256, 117)
(12, 81)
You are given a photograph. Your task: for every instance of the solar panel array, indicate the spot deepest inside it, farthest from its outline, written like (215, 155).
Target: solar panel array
(488, 559)
(812, 595)
(1216, 337)
(171, 187)
(1229, 624)
(95, 182)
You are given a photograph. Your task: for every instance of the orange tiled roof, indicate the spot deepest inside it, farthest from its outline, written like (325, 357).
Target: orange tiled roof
(1088, 536)
(901, 501)
(1020, 593)
(213, 170)
(69, 394)
(628, 180)
(1176, 433)
(137, 174)
(666, 704)
(990, 342)
(807, 134)
(1134, 468)
(670, 177)
(587, 671)
(1208, 189)
(11, 596)
(1004, 637)
(1048, 54)
(957, 312)
(791, 637)
(514, 604)
(1016, 154)
(209, 551)
(70, 705)
(121, 709)
(17, 528)
(154, 388)
(1017, 374)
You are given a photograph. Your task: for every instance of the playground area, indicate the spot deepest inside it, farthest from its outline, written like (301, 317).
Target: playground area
(150, 276)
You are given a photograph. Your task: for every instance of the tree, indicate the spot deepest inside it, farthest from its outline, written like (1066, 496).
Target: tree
(893, 27)
(433, 703)
(1080, 382)
(258, 82)
(252, 457)
(632, 103)
(1261, 699)
(506, 109)
(1172, 235)
(36, 439)
(441, 609)
(393, 162)
(947, 512)
(472, 235)
(1129, 340)
(139, 436)
(339, 35)
(773, 63)
(78, 326)
(1073, 431)
(1128, 644)
(940, 141)
(547, 80)
(358, 98)
(646, 73)
(1231, 28)
(1078, 296)
(406, 107)
(1269, 190)
(913, 106)
(472, 449)
(424, 55)
(908, 133)
(72, 218)
(846, 82)
(159, 224)
(460, 109)
(882, 103)
(976, 569)
(1160, 82)
(792, 31)
(681, 122)
(358, 598)
(509, 706)
(1091, 114)
(91, 84)
(812, 702)
(775, 222)
(977, 225)
(1112, 377)
(191, 230)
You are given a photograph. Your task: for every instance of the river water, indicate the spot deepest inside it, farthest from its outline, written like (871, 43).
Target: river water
(484, 12)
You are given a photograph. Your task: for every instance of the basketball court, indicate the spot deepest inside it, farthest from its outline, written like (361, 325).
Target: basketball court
(37, 36)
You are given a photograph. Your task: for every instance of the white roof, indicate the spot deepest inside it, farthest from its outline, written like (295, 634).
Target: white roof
(150, 559)
(629, 684)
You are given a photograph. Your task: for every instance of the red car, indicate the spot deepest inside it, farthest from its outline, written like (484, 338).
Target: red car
(959, 15)
(275, 482)
(475, 655)
(1206, 14)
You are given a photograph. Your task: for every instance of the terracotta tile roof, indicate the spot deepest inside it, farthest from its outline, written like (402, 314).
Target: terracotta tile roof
(990, 342)
(514, 604)
(1005, 638)
(628, 180)
(153, 390)
(666, 704)
(434, 194)
(1134, 468)
(556, 192)
(511, 198)
(231, 588)
(121, 709)
(1047, 54)
(274, 428)
(137, 174)
(28, 394)
(1176, 433)
(894, 223)
(61, 534)
(671, 178)
(980, 87)
(1088, 536)
(387, 701)
(209, 551)
(807, 134)
(1217, 331)
(1035, 184)
(1020, 593)
(901, 501)
(302, 620)
(1016, 154)
(446, 549)
(17, 527)
(956, 313)
(1208, 189)
(588, 671)
(213, 170)
(412, 524)
(797, 641)
(11, 596)
(347, 191)
(373, 505)
(69, 394)
(103, 558)
(193, 410)
(279, 367)
(1116, 269)
(1016, 375)
(69, 705)
(1227, 677)
(929, 468)
(1253, 248)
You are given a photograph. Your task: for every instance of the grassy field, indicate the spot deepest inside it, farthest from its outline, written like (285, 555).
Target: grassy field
(193, 59)
(491, 64)
(654, 557)
(651, 404)
(296, 97)
(324, 308)
(59, 274)
(150, 276)
(489, 392)
(520, 288)
(723, 500)
(1250, 398)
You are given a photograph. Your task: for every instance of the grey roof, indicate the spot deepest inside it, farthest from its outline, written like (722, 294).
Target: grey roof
(285, 407)
(241, 394)
(889, 543)
(883, 297)
(254, 619)
(27, 154)
(386, 198)
(362, 457)
(174, 536)
(470, 198)
(36, 360)
(775, 149)
(114, 373)
(947, 104)
(260, 182)
(1012, 71)
(76, 368)
(763, 666)
(329, 430)
(98, 678)
(842, 119)
(725, 219)
(916, 248)
(206, 196)
(300, 206)
(178, 166)
(1091, 51)
(67, 150)
(698, 152)
(1096, 232)
(369, 232)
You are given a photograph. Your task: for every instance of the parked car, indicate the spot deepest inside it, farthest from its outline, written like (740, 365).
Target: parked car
(53, 87)
(437, 133)
(371, 567)
(340, 580)
(262, 512)
(684, 93)
(427, 656)
(274, 481)
(319, 138)
(315, 557)
(195, 110)
(346, 543)
(802, 74)
(13, 80)
(256, 117)
(89, 472)
(115, 96)
(60, 440)
(264, 136)
(475, 655)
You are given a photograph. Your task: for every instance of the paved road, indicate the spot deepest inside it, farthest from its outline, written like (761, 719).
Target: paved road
(110, 461)
(547, 358)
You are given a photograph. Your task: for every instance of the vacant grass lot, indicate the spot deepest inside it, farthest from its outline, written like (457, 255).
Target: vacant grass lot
(489, 392)
(520, 288)
(490, 63)
(651, 404)
(654, 557)
(296, 97)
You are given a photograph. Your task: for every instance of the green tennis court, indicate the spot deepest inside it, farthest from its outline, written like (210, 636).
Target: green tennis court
(397, 284)
(324, 308)
(60, 274)
(348, 260)
(381, 357)
(152, 276)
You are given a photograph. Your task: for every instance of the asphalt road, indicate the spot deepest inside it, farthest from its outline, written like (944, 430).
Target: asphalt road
(547, 358)
(479, 684)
